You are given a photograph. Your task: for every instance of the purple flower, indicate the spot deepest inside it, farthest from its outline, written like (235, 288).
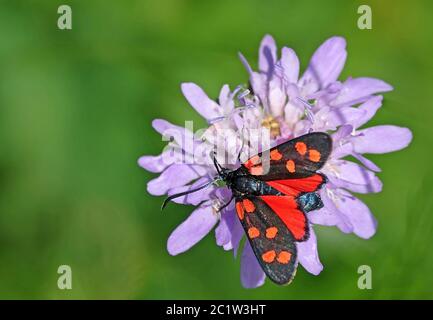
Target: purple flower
(281, 106)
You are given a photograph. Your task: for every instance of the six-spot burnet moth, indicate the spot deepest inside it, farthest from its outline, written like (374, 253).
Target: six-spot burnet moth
(272, 204)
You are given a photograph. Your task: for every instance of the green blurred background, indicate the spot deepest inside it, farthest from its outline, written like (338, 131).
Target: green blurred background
(75, 114)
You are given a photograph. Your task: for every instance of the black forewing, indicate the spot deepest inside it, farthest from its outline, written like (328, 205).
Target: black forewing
(264, 219)
(303, 161)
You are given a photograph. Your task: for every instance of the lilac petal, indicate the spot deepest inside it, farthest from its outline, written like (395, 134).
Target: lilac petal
(341, 151)
(179, 134)
(354, 177)
(252, 275)
(229, 231)
(301, 127)
(382, 139)
(267, 55)
(224, 94)
(161, 125)
(244, 61)
(290, 64)
(155, 163)
(230, 221)
(198, 99)
(277, 97)
(358, 89)
(223, 230)
(174, 176)
(325, 65)
(308, 255)
(260, 86)
(350, 171)
(326, 95)
(257, 80)
(196, 197)
(169, 156)
(238, 121)
(342, 133)
(373, 187)
(223, 193)
(363, 222)
(366, 162)
(237, 234)
(324, 217)
(342, 147)
(225, 100)
(344, 115)
(369, 107)
(292, 113)
(329, 215)
(192, 230)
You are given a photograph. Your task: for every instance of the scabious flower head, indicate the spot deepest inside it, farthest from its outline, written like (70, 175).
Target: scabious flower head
(281, 106)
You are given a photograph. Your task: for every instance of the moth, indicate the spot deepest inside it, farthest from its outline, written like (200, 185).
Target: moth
(272, 204)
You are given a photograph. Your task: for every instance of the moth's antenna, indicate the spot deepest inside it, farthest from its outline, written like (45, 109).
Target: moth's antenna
(217, 165)
(177, 195)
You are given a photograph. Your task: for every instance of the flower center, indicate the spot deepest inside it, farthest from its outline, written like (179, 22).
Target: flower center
(273, 125)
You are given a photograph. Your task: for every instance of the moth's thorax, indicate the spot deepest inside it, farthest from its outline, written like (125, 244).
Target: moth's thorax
(242, 184)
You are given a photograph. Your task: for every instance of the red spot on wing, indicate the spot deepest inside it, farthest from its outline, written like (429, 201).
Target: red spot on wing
(301, 148)
(252, 161)
(240, 210)
(284, 257)
(287, 209)
(275, 155)
(271, 232)
(248, 205)
(290, 166)
(269, 256)
(256, 170)
(253, 232)
(292, 187)
(314, 155)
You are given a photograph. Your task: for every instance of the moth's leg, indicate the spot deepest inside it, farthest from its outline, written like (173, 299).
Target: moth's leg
(216, 164)
(240, 151)
(226, 205)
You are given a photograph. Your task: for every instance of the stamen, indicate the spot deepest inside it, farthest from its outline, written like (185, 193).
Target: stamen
(235, 92)
(244, 94)
(241, 98)
(307, 107)
(217, 119)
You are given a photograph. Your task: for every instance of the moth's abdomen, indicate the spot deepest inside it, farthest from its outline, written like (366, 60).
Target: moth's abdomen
(310, 201)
